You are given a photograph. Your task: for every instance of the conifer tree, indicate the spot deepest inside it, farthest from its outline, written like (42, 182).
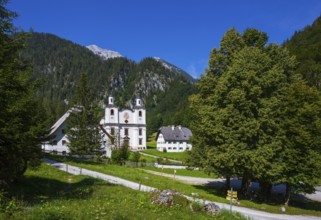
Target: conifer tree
(83, 123)
(21, 117)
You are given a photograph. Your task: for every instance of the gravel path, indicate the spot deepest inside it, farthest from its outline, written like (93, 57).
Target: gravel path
(111, 179)
(253, 214)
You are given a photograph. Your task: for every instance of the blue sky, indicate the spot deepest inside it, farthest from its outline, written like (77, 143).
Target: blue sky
(182, 32)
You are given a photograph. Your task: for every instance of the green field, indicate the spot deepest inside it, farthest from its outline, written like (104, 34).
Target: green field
(48, 193)
(297, 207)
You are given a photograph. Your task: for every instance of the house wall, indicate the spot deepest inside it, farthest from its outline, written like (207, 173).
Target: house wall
(59, 141)
(171, 146)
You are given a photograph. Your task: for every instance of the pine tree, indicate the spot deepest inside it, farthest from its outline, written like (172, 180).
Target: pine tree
(83, 123)
(21, 117)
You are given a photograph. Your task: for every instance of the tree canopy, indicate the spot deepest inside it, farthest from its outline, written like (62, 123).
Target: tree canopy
(247, 111)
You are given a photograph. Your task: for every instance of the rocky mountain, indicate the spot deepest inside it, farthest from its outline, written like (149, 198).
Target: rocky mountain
(57, 64)
(103, 53)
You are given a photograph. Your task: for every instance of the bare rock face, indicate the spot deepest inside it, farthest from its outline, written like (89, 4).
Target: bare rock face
(211, 208)
(165, 197)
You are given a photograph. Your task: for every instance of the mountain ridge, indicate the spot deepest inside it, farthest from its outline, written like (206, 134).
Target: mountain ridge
(103, 53)
(57, 64)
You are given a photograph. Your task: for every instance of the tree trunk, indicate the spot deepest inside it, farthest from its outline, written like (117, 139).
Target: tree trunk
(265, 189)
(228, 182)
(287, 194)
(246, 183)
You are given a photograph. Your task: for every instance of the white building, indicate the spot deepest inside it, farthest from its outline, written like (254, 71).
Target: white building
(58, 138)
(127, 126)
(173, 139)
(124, 125)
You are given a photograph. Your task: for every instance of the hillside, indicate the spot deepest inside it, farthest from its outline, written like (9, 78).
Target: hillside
(57, 64)
(306, 46)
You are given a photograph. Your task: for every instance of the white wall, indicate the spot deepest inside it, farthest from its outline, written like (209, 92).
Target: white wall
(172, 146)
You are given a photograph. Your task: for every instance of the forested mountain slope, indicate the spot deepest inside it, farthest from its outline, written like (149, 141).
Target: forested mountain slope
(57, 64)
(306, 45)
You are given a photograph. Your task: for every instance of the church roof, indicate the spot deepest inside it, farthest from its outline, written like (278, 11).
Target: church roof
(172, 133)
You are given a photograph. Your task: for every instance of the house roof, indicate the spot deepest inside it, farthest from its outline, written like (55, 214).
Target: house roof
(63, 118)
(178, 133)
(58, 123)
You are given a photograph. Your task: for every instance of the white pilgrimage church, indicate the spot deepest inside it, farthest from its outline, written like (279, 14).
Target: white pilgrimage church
(125, 125)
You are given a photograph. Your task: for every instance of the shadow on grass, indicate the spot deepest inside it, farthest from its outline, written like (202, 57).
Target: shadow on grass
(217, 188)
(304, 203)
(62, 159)
(35, 190)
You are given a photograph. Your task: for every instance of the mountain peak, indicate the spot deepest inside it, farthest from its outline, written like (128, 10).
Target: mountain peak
(103, 53)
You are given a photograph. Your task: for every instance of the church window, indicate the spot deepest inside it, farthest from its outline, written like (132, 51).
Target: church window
(140, 114)
(126, 131)
(64, 142)
(112, 112)
(140, 141)
(140, 132)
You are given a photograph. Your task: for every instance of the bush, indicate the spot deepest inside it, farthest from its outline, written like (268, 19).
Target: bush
(119, 156)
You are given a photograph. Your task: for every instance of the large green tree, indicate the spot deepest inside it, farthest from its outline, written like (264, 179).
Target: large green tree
(242, 114)
(83, 123)
(21, 117)
(301, 151)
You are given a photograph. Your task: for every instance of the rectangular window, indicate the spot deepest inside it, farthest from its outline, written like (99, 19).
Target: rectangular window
(140, 132)
(126, 131)
(140, 141)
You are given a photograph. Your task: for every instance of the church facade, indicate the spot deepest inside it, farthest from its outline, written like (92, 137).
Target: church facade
(125, 126)
(128, 126)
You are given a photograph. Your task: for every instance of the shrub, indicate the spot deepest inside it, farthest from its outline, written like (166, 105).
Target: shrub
(120, 155)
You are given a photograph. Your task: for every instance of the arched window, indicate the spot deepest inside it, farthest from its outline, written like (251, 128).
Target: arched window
(140, 113)
(112, 112)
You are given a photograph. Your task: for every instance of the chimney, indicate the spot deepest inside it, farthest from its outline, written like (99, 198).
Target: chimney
(173, 127)
(180, 127)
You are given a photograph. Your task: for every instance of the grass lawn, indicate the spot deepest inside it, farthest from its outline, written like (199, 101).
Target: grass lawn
(172, 155)
(151, 142)
(48, 193)
(183, 172)
(210, 193)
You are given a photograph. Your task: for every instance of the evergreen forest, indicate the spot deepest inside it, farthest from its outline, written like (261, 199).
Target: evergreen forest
(58, 63)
